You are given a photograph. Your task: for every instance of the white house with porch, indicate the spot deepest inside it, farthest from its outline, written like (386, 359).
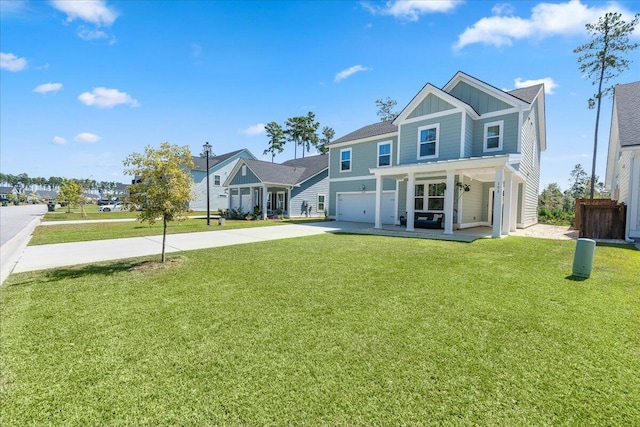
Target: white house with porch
(467, 155)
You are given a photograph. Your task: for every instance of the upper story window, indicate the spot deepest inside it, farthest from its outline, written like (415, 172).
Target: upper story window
(428, 141)
(216, 180)
(384, 154)
(493, 136)
(345, 160)
(244, 170)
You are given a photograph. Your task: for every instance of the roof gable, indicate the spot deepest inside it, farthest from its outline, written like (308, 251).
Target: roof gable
(424, 93)
(290, 173)
(479, 85)
(430, 104)
(369, 131)
(200, 163)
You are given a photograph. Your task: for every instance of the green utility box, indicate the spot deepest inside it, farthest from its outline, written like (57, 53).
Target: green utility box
(583, 258)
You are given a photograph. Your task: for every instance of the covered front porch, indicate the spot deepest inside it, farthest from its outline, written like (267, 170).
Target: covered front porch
(268, 200)
(467, 193)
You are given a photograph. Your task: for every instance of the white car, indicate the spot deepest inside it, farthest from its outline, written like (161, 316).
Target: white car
(116, 207)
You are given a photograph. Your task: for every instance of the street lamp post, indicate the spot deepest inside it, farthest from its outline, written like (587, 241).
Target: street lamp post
(207, 151)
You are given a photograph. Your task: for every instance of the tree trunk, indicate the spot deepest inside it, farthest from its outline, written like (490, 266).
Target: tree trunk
(603, 66)
(164, 238)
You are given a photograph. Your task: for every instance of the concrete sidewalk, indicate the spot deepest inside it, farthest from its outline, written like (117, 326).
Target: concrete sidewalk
(66, 254)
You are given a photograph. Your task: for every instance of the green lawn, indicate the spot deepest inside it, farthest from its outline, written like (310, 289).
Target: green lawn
(335, 329)
(65, 233)
(91, 213)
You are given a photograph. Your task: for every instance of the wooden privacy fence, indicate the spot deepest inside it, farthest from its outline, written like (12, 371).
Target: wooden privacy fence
(600, 218)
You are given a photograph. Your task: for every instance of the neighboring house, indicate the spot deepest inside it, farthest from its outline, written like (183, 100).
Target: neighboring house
(219, 169)
(623, 162)
(295, 188)
(468, 151)
(47, 194)
(5, 191)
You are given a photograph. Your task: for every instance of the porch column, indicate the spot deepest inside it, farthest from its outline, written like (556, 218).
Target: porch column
(378, 218)
(506, 220)
(265, 196)
(411, 195)
(514, 206)
(497, 202)
(448, 203)
(287, 203)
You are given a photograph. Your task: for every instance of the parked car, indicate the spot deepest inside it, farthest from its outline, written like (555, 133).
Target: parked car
(115, 207)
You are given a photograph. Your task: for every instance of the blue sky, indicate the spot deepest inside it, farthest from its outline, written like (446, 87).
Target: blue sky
(85, 83)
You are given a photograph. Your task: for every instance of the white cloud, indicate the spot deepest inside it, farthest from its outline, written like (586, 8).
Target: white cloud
(254, 130)
(503, 9)
(106, 98)
(546, 20)
(93, 11)
(349, 72)
(8, 61)
(59, 140)
(411, 9)
(48, 87)
(549, 84)
(86, 138)
(88, 34)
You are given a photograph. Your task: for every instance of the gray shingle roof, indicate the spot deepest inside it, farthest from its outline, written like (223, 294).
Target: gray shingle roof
(200, 163)
(627, 98)
(291, 172)
(375, 129)
(526, 94)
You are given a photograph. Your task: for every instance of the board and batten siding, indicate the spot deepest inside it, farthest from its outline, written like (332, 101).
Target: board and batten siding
(364, 155)
(430, 105)
(448, 138)
(355, 186)
(309, 191)
(249, 178)
(481, 101)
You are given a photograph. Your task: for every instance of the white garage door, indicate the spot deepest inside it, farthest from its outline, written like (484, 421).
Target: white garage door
(358, 207)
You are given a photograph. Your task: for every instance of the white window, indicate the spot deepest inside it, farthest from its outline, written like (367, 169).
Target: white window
(493, 136)
(280, 201)
(345, 160)
(428, 141)
(216, 180)
(384, 154)
(320, 204)
(244, 170)
(432, 199)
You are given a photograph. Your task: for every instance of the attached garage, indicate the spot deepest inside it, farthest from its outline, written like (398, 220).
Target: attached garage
(361, 207)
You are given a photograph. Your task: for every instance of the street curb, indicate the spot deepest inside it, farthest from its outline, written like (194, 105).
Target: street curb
(11, 252)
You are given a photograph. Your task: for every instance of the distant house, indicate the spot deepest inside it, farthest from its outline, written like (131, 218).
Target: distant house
(5, 191)
(623, 160)
(464, 155)
(46, 194)
(219, 170)
(295, 188)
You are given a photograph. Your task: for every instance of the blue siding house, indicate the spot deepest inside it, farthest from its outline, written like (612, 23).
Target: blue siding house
(468, 153)
(219, 169)
(295, 188)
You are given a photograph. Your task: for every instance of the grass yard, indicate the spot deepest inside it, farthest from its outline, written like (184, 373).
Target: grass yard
(65, 233)
(334, 329)
(92, 213)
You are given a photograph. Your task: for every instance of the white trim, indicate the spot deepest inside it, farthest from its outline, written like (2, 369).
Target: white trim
(435, 126)
(363, 140)
(350, 150)
(353, 178)
(485, 137)
(473, 224)
(500, 113)
(633, 197)
(390, 143)
(434, 115)
(463, 133)
(312, 176)
(398, 146)
(219, 184)
(520, 130)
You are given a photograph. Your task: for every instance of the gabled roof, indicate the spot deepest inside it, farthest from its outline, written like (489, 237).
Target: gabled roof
(527, 94)
(627, 99)
(200, 163)
(375, 129)
(484, 86)
(6, 190)
(290, 173)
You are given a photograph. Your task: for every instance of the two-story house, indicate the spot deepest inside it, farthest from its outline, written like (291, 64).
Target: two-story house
(468, 153)
(220, 168)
